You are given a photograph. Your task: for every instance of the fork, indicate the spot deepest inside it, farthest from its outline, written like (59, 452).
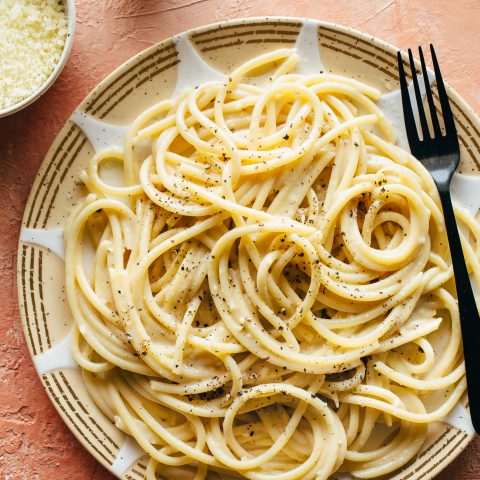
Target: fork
(440, 154)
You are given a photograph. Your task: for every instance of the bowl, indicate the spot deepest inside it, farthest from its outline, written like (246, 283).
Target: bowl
(70, 11)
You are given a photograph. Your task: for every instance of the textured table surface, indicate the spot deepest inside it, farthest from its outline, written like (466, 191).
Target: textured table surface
(34, 442)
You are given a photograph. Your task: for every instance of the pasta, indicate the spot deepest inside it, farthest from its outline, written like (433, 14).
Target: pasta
(268, 292)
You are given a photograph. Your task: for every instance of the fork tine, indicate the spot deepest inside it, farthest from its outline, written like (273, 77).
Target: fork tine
(421, 110)
(442, 93)
(437, 132)
(412, 133)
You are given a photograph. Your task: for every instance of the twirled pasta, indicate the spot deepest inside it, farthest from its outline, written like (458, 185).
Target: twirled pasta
(271, 293)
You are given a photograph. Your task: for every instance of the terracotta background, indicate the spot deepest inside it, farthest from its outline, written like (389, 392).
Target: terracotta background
(34, 442)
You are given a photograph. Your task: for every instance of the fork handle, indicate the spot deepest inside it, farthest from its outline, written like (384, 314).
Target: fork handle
(469, 317)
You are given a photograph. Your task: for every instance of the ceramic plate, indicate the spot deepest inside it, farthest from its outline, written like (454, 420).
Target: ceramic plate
(153, 74)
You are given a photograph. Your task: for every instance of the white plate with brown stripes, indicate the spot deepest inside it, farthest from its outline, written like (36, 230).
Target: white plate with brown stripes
(99, 120)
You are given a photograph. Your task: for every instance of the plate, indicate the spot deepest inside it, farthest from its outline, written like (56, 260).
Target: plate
(100, 120)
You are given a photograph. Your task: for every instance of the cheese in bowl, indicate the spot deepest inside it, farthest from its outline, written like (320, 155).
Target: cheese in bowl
(34, 34)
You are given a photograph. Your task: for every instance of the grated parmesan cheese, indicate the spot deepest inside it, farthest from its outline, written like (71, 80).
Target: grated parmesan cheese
(32, 38)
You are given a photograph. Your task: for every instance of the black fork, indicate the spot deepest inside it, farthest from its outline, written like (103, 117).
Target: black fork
(440, 154)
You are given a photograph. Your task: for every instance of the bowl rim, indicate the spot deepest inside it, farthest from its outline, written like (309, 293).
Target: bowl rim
(71, 19)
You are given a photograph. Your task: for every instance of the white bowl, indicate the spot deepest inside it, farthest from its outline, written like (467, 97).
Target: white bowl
(70, 10)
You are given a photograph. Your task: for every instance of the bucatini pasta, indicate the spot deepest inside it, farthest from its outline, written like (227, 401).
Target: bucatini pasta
(270, 293)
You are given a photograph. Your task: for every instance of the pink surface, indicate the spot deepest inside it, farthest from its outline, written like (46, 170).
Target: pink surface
(34, 442)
